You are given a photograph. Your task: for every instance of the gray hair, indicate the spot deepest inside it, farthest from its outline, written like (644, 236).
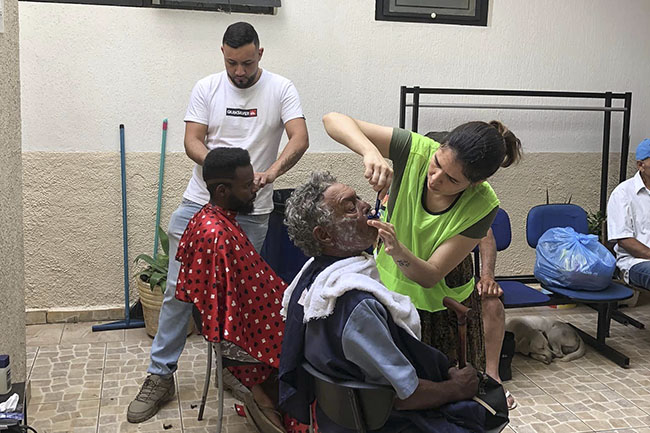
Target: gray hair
(305, 210)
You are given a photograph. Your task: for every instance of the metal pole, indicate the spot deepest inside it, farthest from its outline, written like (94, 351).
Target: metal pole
(523, 107)
(604, 172)
(502, 92)
(402, 107)
(416, 109)
(161, 171)
(125, 244)
(625, 141)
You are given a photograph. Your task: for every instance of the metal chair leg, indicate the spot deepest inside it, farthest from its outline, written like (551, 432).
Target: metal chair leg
(217, 347)
(206, 383)
(311, 419)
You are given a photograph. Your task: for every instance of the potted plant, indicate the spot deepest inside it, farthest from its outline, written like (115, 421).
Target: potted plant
(152, 281)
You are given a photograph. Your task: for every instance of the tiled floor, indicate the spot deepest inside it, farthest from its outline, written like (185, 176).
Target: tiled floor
(82, 382)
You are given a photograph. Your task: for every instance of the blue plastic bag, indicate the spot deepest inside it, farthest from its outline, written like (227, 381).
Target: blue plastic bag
(573, 260)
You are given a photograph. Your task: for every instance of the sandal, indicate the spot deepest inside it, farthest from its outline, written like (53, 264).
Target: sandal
(258, 416)
(512, 403)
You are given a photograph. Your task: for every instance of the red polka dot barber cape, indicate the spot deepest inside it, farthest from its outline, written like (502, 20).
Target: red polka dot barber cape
(236, 291)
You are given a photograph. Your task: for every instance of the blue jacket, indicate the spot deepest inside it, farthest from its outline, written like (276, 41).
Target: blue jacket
(320, 344)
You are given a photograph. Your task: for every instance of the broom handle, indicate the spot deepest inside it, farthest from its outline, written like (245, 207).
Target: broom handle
(125, 246)
(461, 314)
(161, 171)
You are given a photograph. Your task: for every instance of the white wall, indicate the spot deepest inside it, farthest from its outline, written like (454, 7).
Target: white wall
(86, 69)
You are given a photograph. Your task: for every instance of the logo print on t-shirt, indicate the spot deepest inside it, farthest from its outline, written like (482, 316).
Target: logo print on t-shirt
(241, 112)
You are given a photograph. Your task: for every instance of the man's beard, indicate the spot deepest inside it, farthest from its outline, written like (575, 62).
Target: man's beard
(249, 82)
(349, 238)
(240, 206)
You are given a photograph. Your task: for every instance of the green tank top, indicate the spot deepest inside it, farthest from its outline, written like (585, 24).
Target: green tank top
(422, 233)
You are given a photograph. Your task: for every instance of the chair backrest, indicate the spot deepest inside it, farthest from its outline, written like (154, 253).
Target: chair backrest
(546, 216)
(501, 230)
(358, 406)
(502, 235)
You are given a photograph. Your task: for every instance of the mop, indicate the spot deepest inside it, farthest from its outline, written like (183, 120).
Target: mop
(127, 323)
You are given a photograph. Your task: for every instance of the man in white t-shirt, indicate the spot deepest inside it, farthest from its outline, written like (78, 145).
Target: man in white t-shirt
(243, 106)
(628, 221)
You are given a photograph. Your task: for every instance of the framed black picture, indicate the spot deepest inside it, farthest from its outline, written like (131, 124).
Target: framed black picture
(463, 12)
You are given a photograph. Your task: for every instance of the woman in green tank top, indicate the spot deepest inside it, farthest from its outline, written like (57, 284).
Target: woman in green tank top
(439, 208)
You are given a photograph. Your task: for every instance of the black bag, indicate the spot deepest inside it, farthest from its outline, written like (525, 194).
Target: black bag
(507, 353)
(491, 396)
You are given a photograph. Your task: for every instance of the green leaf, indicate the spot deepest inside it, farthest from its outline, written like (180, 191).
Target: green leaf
(153, 263)
(164, 240)
(156, 278)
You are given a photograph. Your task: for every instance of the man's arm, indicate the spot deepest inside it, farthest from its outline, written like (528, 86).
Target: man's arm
(367, 343)
(293, 151)
(194, 141)
(635, 248)
(462, 385)
(486, 285)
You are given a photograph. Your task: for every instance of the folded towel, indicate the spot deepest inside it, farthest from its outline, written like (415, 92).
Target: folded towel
(354, 273)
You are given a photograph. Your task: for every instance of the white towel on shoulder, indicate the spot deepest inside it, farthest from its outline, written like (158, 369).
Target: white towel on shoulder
(353, 273)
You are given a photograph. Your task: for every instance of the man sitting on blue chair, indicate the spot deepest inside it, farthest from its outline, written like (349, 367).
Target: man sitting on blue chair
(347, 325)
(628, 221)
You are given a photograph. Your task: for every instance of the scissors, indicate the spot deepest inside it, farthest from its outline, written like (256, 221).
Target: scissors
(377, 213)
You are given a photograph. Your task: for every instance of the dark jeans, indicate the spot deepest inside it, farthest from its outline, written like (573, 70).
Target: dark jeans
(640, 274)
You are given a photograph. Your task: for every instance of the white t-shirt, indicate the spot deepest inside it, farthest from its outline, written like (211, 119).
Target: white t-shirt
(628, 216)
(251, 118)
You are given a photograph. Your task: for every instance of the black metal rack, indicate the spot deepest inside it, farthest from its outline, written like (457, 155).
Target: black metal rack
(606, 311)
(606, 108)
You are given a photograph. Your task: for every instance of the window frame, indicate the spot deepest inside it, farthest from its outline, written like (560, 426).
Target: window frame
(223, 6)
(479, 18)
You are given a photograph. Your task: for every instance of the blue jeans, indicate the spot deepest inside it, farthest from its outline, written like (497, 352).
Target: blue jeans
(174, 314)
(640, 274)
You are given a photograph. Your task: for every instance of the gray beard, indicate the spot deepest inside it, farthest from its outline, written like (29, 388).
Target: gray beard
(349, 239)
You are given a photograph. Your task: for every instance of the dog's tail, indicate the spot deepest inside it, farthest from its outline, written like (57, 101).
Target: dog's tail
(575, 355)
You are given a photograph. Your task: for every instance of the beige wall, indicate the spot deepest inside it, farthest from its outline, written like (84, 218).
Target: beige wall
(12, 305)
(73, 226)
(137, 66)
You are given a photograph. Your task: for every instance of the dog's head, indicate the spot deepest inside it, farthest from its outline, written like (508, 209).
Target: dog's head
(539, 347)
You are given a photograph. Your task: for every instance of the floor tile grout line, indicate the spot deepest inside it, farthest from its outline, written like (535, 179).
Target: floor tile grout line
(608, 388)
(61, 335)
(31, 367)
(550, 395)
(531, 381)
(622, 396)
(101, 388)
(178, 398)
(612, 389)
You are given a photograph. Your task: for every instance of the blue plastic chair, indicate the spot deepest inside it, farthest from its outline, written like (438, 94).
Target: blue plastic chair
(515, 293)
(543, 217)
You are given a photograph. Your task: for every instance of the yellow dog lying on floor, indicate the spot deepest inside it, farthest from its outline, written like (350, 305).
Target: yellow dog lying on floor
(545, 339)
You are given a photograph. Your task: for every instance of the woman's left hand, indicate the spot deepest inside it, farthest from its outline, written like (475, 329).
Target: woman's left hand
(386, 231)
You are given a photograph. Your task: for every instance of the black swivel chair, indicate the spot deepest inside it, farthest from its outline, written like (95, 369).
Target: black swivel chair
(362, 406)
(354, 405)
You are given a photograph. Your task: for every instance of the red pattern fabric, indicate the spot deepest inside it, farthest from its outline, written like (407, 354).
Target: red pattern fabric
(236, 291)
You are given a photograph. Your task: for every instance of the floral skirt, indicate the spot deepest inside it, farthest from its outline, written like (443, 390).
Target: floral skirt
(440, 329)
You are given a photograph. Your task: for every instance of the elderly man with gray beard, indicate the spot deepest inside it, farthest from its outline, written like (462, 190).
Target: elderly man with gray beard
(345, 323)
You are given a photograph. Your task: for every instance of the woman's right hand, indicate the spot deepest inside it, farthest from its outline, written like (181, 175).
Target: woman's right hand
(370, 141)
(378, 172)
